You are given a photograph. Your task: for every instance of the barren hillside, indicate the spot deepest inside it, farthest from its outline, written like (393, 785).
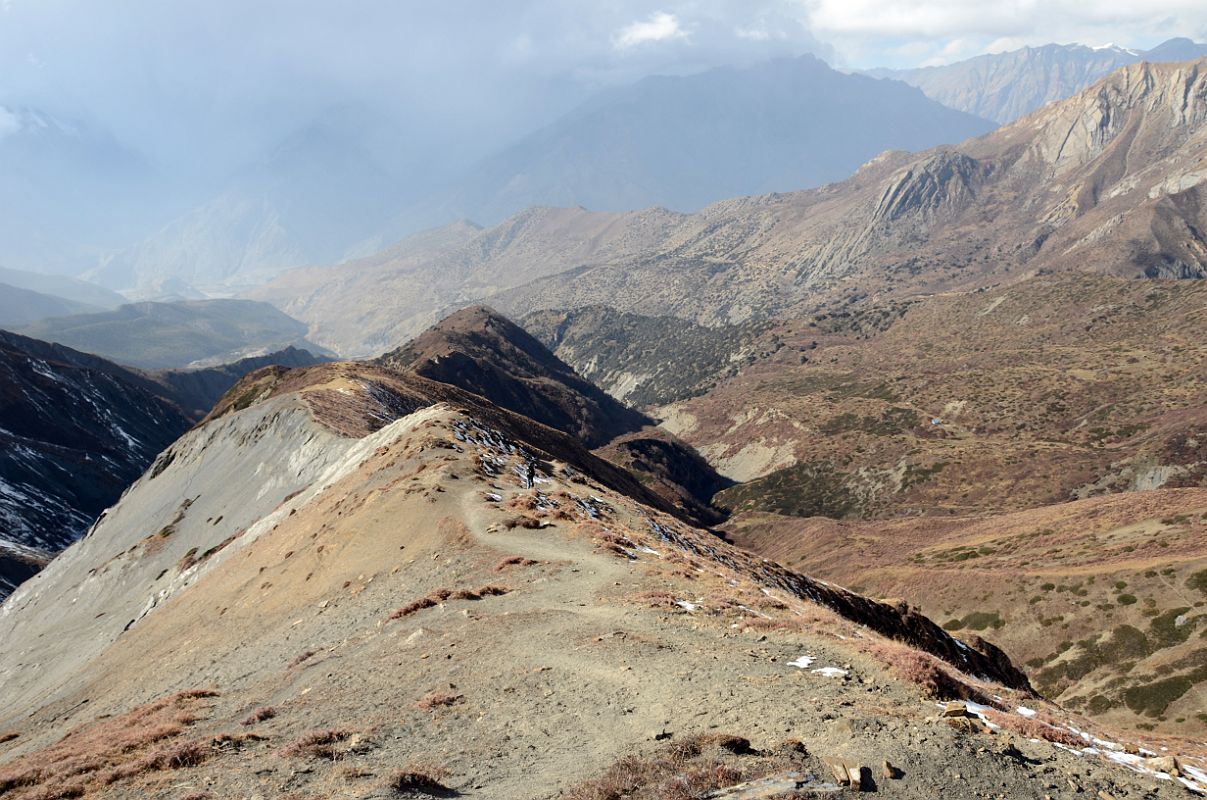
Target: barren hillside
(425, 616)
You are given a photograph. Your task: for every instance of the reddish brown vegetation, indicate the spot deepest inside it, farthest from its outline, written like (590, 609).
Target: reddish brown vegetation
(318, 744)
(656, 598)
(438, 596)
(436, 700)
(926, 671)
(260, 715)
(1034, 729)
(427, 778)
(110, 751)
(685, 770)
(514, 561)
(523, 521)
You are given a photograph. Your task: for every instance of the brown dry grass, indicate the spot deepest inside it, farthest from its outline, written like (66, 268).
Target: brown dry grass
(1034, 729)
(926, 671)
(514, 561)
(319, 744)
(437, 699)
(656, 598)
(260, 715)
(688, 769)
(438, 596)
(111, 751)
(302, 658)
(420, 777)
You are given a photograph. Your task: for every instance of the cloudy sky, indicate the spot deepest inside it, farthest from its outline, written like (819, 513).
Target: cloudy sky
(204, 82)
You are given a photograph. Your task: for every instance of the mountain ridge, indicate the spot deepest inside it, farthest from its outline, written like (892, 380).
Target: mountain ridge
(1007, 86)
(1108, 180)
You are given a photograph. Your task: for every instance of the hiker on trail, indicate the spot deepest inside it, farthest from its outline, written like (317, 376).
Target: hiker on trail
(531, 475)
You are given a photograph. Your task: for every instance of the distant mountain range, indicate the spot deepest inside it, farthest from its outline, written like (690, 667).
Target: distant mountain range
(678, 142)
(181, 334)
(311, 199)
(1005, 86)
(70, 290)
(1119, 194)
(685, 142)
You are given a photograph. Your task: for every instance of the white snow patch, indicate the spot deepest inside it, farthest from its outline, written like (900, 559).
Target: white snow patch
(804, 662)
(830, 672)
(1023, 711)
(686, 604)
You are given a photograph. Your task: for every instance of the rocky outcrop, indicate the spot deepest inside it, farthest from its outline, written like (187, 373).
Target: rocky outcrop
(945, 182)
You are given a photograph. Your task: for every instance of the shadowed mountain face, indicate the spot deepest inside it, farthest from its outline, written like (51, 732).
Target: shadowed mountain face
(485, 353)
(480, 351)
(78, 430)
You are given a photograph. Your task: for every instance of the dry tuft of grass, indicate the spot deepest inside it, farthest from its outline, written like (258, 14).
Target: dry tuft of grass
(438, 596)
(420, 778)
(302, 658)
(656, 598)
(927, 672)
(260, 715)
(110, 751)
(437, 700)
(688, 769)
(1034, 729)
(514, 561)
(318, 744)
(523, 521)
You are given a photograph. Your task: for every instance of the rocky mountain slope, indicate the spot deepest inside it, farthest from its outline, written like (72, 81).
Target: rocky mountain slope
(480, 351)
(77, 431)
(483, 352)
(401, 291)
(644, 361)
(1035, 393)
(1006, 86)
(165, 335)
(196, 391)
(427, 620)
(1102, 599)
(1106, 181)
